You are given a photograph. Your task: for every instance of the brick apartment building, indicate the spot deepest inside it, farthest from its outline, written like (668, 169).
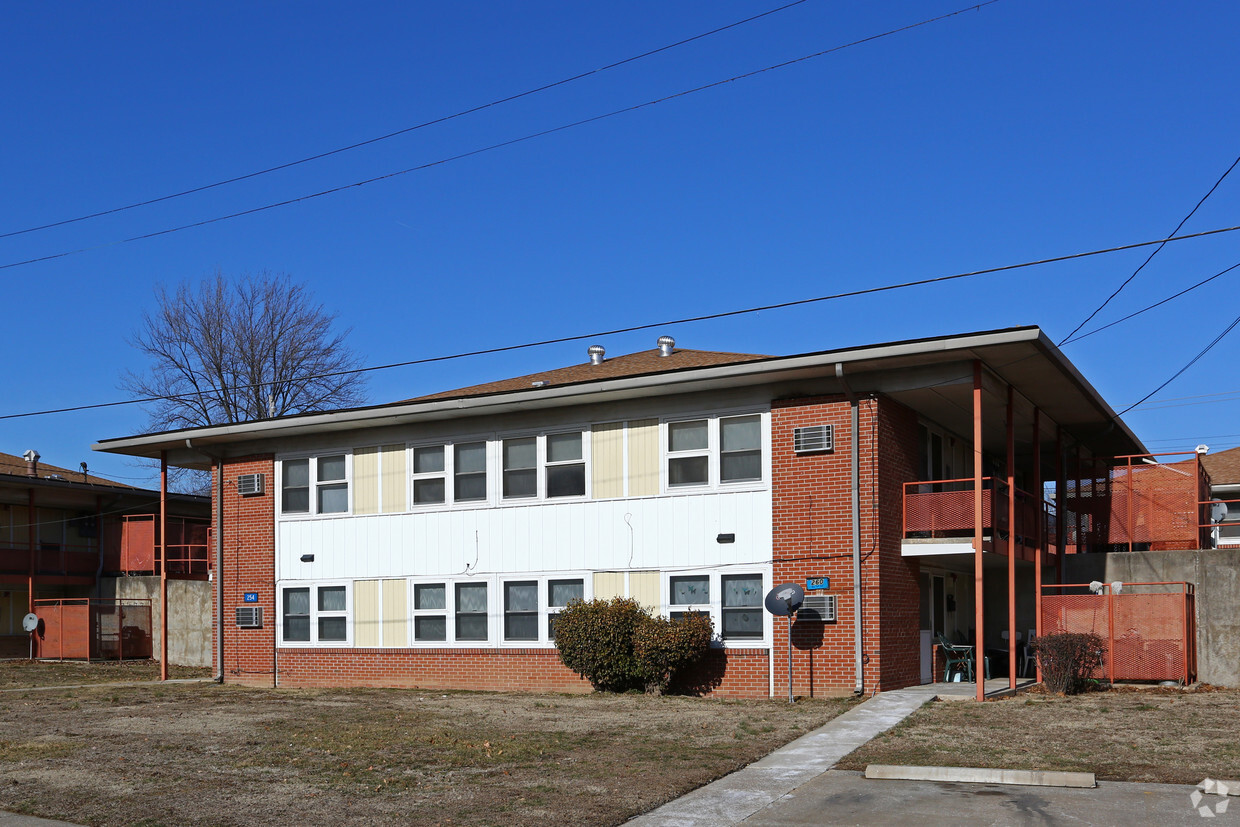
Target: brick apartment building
(430, 542)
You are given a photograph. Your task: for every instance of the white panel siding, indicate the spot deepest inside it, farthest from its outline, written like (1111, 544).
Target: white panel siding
(667, 532)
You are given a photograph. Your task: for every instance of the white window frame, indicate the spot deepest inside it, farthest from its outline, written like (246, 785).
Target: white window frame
(313, 483)
(448, 475)
(713, 452)
(415, 612)
(444, 476)
(714, 604)
(542, 465)
(496, 608)
(316, 614)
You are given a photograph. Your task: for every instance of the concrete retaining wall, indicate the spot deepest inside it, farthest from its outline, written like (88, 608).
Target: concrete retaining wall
(1216, 575)
(189, 614)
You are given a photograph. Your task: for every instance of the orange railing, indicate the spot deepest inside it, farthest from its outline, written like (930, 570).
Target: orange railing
(1147, 629)
(187, 550)
(944, 508)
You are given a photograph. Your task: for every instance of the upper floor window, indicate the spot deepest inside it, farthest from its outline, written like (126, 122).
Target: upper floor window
(315, 485)
(560, 457)
(716, 450)
(469, 472)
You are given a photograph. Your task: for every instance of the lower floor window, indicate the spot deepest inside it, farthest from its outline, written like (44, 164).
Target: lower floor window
(315, 614)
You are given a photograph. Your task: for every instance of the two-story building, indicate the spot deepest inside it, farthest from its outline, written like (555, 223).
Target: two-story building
(431, 542)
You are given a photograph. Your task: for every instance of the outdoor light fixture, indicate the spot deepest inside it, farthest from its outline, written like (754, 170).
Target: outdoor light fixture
(307, 558)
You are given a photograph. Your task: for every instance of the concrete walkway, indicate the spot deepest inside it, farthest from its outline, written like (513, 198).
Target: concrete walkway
(736, 797)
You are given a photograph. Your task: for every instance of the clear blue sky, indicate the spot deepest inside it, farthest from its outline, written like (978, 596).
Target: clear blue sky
(1019, 131)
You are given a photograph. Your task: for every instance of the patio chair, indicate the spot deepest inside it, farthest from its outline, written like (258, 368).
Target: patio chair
(956, 656)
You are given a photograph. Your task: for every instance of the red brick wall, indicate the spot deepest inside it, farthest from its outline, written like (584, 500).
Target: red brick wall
(813, 538)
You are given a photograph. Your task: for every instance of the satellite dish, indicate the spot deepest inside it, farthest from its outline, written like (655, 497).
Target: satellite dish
(1218, 511)
(784, 600)
(30, 622)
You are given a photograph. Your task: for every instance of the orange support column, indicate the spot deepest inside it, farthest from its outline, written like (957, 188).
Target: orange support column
(1039, 535)
(979, 653)
(163, 565)
(1011, 544)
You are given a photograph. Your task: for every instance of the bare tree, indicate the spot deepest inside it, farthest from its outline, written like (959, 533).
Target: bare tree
(236, 351)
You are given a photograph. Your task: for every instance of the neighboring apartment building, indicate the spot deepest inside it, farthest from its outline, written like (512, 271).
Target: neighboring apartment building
(431, 542)
(72, 534)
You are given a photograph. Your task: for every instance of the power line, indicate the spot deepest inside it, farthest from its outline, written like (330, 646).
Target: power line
(1191, 362)
(500, 145)
(1155, 252)
(669, 322)
(406, 130)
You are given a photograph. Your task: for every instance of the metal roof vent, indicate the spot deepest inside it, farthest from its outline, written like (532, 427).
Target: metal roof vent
(32, 462)
(596, 354)
(666, 343)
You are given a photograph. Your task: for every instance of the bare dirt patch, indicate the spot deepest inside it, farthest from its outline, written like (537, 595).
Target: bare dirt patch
(27, 673)
(1125, 734)
(209, 754)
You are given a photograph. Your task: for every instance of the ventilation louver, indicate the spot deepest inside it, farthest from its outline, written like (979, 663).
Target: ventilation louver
(817, 607)
(249, 617)
(250, 484)
(813, 439)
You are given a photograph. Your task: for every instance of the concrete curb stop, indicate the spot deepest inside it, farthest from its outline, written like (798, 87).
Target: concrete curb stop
(979, 775)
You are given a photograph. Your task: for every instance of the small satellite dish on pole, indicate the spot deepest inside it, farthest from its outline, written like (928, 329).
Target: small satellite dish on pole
(783, 601)
(30, 622)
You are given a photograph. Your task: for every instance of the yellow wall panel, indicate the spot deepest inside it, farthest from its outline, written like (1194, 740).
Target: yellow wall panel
(607, 460)
(608, 584)
(395, 613)
(366, 613)
(644, 588)
(366, 481)
(395, 499)
(643, 458)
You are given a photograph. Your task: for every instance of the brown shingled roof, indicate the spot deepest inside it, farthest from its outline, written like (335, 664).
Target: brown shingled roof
(1223, 467)
(16, 466)
(643, 362)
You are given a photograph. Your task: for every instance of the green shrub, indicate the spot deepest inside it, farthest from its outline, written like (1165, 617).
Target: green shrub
(618, 646)
(664, 646)
(595, 639)
(1067, 659)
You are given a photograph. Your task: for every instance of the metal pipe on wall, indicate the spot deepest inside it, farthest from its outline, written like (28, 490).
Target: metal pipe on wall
(855, 485)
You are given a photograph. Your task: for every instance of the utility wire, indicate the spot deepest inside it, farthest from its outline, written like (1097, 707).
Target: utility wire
(1191, 362)
(406, 130)
(666, 323)
(501, 144)
(1155, 252)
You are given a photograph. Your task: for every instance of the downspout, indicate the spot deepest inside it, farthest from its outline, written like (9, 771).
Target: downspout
(855, 486)
(219, 558)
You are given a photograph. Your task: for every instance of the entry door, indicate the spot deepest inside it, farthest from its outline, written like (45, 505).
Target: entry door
(932, 621)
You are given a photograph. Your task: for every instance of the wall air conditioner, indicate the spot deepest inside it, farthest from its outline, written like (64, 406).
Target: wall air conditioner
(817, 607)
(249, 617)
(249, 485)
(813, 439)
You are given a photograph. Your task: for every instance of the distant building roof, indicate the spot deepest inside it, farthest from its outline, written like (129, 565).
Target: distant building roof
(14, 466)
(1223, 467)
(642, 363)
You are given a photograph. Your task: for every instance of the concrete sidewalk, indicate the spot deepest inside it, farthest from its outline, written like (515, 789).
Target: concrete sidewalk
(750, 790)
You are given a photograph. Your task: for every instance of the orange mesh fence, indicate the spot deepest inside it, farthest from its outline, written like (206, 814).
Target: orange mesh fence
(944, 508)
(93, 629)
(1147, 629)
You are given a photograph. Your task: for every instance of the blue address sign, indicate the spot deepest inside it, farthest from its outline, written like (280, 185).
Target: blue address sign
(812, 583)
(251, 597)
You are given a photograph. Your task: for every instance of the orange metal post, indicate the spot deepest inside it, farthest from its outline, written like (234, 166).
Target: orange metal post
(1011, 545)
(1039, 538)
(1132, 483)
(163, 565)
(979, 653)
(1110, 635)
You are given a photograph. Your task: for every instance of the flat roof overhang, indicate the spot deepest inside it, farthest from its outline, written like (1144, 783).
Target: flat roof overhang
(931, 376)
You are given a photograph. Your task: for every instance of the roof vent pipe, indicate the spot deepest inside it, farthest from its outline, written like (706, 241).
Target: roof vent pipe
(32, 462)
(596, 354)
(666, 343)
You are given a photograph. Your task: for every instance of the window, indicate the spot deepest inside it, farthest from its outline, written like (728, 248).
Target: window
(315, 614)
(714, 451)
(566, 467)
(430, 618)
(521, 610)
(321, 483)
(688, 447)
(429, 484)
(740, 448)
(469, 472)
(691, 590)
(559, 593)
(471, 611)
(520, 468)
(742, 606)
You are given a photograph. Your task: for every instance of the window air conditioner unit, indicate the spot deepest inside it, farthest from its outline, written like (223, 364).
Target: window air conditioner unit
(250, 484)
(249, 617)
(813, 439)
(817, 607)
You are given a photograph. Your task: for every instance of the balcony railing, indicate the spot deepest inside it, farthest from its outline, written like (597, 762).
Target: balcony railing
(944, 509)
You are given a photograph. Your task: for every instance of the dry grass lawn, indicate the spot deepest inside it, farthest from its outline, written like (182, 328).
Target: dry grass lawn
(200, 753)
(1156, 735)
(24, 673)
